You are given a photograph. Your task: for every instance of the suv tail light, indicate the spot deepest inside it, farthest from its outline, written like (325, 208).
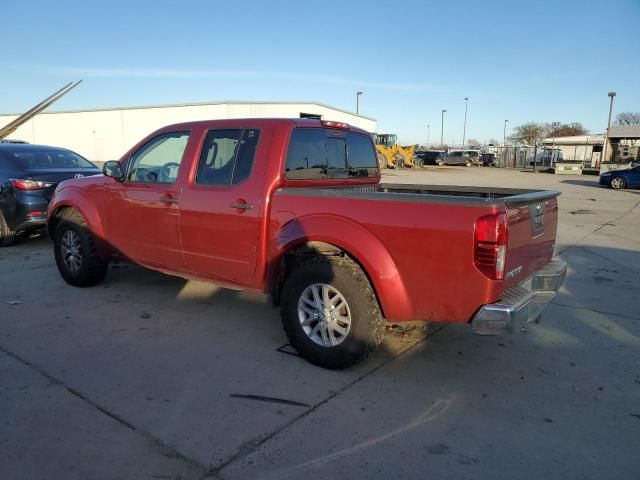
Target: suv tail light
(29, 184)
(332, 124)
(491, 245)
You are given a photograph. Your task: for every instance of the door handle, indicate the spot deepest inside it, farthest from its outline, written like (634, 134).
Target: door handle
(242, 206)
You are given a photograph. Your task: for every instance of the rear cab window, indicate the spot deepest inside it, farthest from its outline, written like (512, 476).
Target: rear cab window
(319, 153)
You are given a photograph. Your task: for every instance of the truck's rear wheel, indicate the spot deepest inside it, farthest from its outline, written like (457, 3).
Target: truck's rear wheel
(330, 312)
(7, 236)
(74, 248)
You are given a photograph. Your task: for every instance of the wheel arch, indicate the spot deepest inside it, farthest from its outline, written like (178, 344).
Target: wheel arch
(316, 235)
(75, 199)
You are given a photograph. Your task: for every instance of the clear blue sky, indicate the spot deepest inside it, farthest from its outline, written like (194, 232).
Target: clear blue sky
(536, 60)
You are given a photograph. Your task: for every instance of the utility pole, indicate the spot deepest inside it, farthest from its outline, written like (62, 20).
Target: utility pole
(358, 102)
(504, 144)
(606, 137)
(428, 132)
(504, 134)
(464, 130)
(442, 129)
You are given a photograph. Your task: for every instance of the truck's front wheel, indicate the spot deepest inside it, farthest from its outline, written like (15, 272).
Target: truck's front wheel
(75, 251)
(330, 312)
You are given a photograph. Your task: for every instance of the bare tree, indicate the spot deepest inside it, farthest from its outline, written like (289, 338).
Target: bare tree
(493, 141)
(558, 129)
(628, 118)
(529, 133)
(472, 142)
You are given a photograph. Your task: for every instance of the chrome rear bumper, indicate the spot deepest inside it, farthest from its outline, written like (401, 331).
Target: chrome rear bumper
(522, 303)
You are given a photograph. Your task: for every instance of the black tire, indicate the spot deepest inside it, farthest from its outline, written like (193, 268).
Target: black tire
(7, 236)
(367, 324)
(441, 163)
(398, 161)
(618, 183)
(92, 267)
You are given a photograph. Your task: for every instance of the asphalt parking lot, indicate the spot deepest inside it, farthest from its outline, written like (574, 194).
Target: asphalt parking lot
(151, 376)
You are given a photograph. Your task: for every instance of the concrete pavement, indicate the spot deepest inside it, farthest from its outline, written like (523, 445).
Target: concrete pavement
(143, 375)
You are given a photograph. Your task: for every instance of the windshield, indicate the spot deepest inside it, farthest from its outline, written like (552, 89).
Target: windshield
(47, 159)
(385, 139)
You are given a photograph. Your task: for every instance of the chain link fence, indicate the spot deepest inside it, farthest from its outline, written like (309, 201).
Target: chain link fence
(532, 158)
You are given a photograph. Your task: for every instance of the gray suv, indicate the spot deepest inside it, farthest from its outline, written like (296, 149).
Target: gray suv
(461, 157)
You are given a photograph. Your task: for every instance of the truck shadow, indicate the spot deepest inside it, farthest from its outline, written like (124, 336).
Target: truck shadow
(583, 183)
(590, 275)
(587, 183)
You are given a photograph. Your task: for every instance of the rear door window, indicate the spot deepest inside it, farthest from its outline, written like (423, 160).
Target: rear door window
(227, 156)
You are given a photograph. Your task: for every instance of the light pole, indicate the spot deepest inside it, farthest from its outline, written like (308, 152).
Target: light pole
(504, 144)
(504, 134)
(428, 132)
(464, 130)
(442, 130)
(358, 102)
(606, 137)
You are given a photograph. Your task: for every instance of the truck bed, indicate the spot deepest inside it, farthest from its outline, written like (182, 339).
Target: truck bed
(454, 194)
(428, 231)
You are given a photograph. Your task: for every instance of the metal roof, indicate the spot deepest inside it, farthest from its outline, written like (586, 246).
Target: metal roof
(200, 104)
(597, 139)
(625, 131)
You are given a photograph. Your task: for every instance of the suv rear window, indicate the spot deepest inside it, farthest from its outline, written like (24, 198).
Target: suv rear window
(45, 159)
(323, 153)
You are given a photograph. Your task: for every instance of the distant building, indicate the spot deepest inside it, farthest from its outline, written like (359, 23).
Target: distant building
(624, 143)
(107, 134)
(584, 148)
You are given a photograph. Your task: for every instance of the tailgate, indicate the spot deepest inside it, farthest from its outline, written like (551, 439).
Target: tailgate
(533, 222)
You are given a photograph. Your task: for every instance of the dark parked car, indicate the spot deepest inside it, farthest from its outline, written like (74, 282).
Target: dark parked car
(460, 157)
(488, 159)
(618, 179)
(28, 176)
(427, 157)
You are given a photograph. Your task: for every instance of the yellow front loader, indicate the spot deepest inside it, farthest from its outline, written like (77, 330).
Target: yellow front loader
(392, 155)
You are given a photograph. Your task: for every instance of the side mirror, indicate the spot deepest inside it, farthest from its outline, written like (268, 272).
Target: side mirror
(112, 169)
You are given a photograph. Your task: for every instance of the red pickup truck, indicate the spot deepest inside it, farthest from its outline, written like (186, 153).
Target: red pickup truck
(295, 208)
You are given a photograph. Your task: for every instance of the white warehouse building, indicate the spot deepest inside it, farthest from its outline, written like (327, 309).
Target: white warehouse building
(107, 134)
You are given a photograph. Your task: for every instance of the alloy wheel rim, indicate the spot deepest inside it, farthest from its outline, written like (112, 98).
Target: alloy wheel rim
(71, 250)
(616, 182)
(324, 315)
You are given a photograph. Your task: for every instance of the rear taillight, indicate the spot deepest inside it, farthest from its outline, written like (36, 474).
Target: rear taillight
(29, 184)
(491, 245)
(332, 124)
